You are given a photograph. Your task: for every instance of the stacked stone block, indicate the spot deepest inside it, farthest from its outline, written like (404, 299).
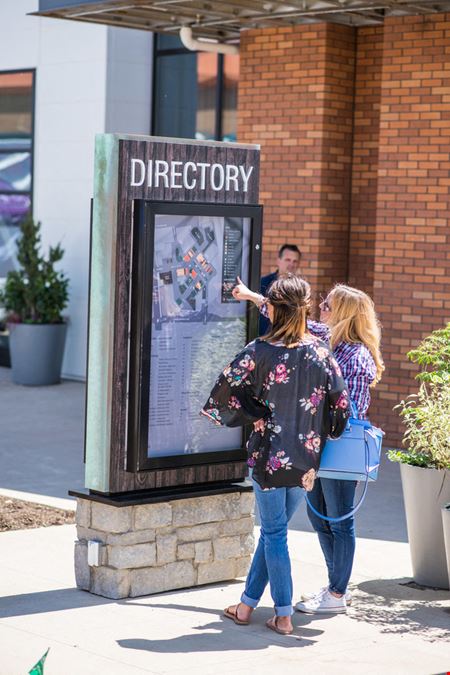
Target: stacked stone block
(152, 548)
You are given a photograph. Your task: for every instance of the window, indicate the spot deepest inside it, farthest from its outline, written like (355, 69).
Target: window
(195, 93)
(16, 159)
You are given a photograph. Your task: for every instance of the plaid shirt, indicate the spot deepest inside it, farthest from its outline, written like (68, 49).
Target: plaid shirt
(357, 366)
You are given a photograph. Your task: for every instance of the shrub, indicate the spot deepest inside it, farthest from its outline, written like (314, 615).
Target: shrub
(37, 292)
(433, 354)
(426, 415)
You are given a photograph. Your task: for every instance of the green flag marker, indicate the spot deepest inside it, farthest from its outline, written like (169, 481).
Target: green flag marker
(38, 669)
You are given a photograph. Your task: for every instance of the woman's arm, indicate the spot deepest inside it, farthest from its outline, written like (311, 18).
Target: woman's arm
(360, 372)
(319, 329)
(339, 400)
(232, 401)
(242, 292)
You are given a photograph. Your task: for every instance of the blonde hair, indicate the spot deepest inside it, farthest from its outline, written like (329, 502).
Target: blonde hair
(353, 319)
(290, 297)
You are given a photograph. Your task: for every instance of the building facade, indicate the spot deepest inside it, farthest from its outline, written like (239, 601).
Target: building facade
(87, 80)
(354, 128)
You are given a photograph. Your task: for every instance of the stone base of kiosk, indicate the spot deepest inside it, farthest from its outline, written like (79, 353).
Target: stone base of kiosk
(147, 548)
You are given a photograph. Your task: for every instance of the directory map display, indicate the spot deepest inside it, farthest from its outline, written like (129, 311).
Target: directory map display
(197, 327)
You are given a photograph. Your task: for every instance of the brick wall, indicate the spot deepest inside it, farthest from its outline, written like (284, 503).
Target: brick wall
(412, 247)
(354, 128)
(369, 61)
(296, 100)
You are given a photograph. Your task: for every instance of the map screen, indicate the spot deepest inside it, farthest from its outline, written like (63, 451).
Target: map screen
(197, 328)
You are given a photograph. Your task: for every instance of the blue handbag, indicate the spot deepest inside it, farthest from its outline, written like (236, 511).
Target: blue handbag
(353, 456)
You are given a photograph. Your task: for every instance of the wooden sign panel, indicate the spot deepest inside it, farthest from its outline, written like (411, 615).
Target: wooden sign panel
(145, 188)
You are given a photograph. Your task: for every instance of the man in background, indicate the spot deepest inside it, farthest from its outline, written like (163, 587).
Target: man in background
(288, 261)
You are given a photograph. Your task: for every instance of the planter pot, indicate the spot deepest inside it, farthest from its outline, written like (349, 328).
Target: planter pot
(36, 352)
(5, 361)
(445, 512)
(425, 492)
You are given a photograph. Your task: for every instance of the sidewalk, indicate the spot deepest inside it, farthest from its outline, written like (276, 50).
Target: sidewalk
(391, 628)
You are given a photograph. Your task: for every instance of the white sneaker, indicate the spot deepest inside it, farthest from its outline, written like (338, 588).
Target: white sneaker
(323, 603)
(309, 596)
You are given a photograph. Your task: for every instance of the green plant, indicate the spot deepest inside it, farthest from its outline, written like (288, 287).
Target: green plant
(433, 354)
(37, 292)
(426, 415)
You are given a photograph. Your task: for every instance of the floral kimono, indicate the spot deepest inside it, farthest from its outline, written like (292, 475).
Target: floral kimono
(298, 392)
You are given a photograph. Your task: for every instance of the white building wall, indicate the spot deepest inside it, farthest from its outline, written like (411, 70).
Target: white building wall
(89, 79)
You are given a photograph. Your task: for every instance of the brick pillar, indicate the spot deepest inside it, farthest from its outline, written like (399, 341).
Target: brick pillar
(366, 129)
(296, 100)
(412, 248)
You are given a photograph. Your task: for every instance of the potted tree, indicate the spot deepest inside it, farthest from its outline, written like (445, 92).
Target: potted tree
(34, 297)
(425, 460)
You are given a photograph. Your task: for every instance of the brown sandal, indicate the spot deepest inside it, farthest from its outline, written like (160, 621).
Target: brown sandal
(234, 615)
(273, 625)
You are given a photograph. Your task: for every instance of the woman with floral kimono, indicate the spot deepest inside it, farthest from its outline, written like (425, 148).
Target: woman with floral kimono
(291, 385)
(350, 326)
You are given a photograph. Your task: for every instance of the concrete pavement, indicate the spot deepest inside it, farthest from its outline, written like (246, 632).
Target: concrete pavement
(41, 437)
(393, 627)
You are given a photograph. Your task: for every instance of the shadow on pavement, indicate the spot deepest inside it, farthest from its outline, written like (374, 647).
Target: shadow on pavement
(397, 608)
(48, 601)
(225, 635)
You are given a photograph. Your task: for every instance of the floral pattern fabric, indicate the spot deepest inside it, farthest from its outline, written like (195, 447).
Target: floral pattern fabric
(299, 394)
(354, 360)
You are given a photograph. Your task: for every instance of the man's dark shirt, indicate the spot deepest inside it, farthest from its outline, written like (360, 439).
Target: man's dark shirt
(266, 282)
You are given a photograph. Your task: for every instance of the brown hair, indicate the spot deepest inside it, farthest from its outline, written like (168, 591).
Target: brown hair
(290, 297)
(293, 248)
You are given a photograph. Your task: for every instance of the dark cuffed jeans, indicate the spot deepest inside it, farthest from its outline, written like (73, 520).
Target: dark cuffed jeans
(335, 498)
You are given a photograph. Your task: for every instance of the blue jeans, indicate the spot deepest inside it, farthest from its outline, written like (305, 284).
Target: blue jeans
(271, 562)
(334, 498)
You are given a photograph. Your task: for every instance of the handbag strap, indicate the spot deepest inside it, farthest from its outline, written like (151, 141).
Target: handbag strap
(358, 505)
(354, 410)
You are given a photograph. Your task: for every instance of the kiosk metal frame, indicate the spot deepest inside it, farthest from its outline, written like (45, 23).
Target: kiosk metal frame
(141, 327)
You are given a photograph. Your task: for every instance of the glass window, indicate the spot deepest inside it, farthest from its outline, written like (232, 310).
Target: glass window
(16, 160)
(230, 92)
(205, 128)
(195, 93)
(15, 171)
(176, 101)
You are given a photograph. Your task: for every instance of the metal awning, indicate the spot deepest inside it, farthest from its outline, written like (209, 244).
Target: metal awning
(224, 19)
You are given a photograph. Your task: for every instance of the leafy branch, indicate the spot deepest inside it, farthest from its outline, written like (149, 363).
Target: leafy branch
(433, 354)
(426, 415)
